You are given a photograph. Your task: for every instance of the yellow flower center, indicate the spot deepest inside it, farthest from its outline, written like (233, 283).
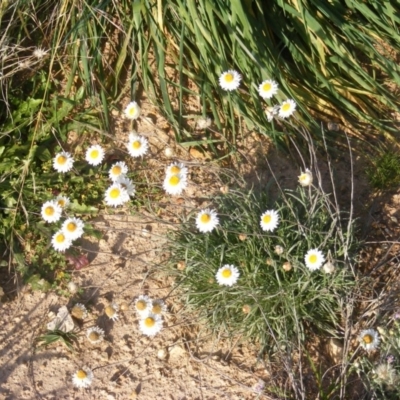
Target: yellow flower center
(205, 218)
(109, 311)
(303, 177)
(286, 107)
(94, 154)
(61, 202)
(94, 336)
(71, 227)
(116, 170)
(229, 77)
(61, 160)
(149, 322)
(313, 258)
(131, 111)
(141, 305)
(174, 180)
(266, 87)
(81, 374)
(49, 211)
(175, 169)
(136, 145)
(115, 193)
(156, 309)
(367, 339)
(267, 219)
(226, 273)
(60, 238)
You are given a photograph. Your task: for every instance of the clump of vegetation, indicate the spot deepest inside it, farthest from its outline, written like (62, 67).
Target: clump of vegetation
(384, 171)
(379, 366)
(269, 270)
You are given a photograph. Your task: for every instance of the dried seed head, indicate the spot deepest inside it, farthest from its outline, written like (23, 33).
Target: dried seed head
(224, 189)
(72, 287)
(279, 250)
(328, 267)
(287, 266)
(246, 308)
(124, 306)
(203, 123)
(181, 265)
(79, 311)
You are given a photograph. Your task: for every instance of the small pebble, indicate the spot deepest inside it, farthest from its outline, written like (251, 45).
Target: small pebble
(169, 152)
(162, 354)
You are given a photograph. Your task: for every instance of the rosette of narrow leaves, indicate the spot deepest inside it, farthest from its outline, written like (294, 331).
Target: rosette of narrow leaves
(276, 296)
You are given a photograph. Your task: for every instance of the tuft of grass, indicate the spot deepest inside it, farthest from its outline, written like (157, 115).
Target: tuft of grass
(384, 171)
(277, 299)
(335, 60)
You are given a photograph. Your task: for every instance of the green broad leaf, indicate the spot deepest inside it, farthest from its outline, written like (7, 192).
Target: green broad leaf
(82, 208)
(93, 232)
(38, 283)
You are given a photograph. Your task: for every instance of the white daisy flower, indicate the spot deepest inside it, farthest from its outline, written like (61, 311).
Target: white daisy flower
(174, 184)
(206, 220)
(112, 311)
(118, 169)
(369, 339)
(116, 195)
(82, 378)
(94, 155)
(268, 88)
(51, 211)
(314, 259)
(127, 184)
(132, 110)
(73, 228)
(60, 242)
(151, 325)
(143, 305)
(95, 334)
(287, 108)
(79, 311)
(306, 178)
(227, 275)
(137, 145)
(176, 168)
(63, 162)
(158, 307)
(230, 80)
(269, 220)
(62, 201)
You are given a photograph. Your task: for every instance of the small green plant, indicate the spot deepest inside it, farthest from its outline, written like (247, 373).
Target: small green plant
(66, 338)
(380, 370)
(278, 295)
(384, 172)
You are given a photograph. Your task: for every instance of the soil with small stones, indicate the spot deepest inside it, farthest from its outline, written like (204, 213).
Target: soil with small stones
(183, 361)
